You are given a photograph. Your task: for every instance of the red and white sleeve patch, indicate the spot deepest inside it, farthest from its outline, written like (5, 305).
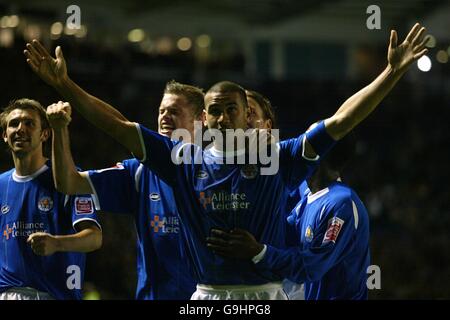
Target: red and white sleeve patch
(334, 227)
(84, 205)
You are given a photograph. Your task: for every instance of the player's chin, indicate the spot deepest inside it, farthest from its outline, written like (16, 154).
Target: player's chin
(166, 132)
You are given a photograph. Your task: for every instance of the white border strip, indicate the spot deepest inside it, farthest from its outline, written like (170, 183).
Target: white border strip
(355, 214)
(94, 195)
(141, 139)
(303, 151)
(86, 219)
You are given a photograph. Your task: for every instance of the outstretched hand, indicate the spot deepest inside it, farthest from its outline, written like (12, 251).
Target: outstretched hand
(400, 57)
(237, 243)
(52, 71)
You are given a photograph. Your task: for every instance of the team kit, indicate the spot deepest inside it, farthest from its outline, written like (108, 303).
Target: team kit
(227, 212)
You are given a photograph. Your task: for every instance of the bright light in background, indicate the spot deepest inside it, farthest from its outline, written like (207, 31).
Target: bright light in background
(4, 22)
(13, 21)
(147, 46)
(9, 21)
(82, 32)
(431, 42)
(203, 41)
(56, 28)
(136, 35)
(164, 45)
(6, 38)
(424, 64)
(184, 44)
(442, 56)
(32, 31)
(70, 31)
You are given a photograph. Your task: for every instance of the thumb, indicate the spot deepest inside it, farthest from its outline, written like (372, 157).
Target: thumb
(393, 39)
(59, 53)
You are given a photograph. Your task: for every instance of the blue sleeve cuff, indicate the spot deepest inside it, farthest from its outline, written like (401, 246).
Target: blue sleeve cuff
(260, 255)
(319, 139)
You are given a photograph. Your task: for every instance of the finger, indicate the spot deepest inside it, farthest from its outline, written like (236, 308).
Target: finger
(33, 66)
(420, 54)
(412, 32)
(40, 48)
(422, 45)
(219, 250)
(393, 39)
(220, 233)
(34, 52)
(419, 36)
(239, 232)
(217, 241)
(31, 57)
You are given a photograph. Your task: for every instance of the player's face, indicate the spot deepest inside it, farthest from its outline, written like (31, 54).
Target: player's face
(175, 113)
(23, 132)
(226, 111)
(256, 118)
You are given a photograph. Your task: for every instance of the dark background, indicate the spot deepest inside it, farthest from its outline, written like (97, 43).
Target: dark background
(307, 57)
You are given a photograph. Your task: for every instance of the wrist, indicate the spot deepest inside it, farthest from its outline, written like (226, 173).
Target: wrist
(62, 84)
(396, 70)
(58, 128)
(58, 243)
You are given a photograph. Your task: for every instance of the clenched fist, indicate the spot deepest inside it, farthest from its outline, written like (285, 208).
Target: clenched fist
(43, 244)
(59, 114)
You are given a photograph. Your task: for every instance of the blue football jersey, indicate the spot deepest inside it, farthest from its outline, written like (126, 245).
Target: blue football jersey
(226, 196)
(131, 188)
(333, 254)
(31, 204)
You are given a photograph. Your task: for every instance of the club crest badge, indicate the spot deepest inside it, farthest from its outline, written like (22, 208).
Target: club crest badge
(5, 209)
(309, 234)
(45, 204)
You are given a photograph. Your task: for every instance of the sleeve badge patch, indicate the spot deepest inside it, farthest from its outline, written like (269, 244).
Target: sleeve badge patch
(334, 227)
(84, 205)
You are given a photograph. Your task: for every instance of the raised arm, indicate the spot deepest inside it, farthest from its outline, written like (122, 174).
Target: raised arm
(99, 113)
(66, 177)
(361, 104)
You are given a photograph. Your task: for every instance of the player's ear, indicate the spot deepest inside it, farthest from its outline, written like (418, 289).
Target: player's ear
(5, 137)
(269, 124)
(45, 134)
(203, 117)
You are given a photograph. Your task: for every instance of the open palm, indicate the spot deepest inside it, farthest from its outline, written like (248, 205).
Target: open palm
(410, 50)
(52, 71)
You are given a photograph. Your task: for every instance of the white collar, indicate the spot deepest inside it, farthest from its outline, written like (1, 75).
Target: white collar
(30, 177)
(314, 196)
(226, 154)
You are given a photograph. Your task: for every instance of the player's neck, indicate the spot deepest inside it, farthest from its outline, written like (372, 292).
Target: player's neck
(321, 179)
(28, 164)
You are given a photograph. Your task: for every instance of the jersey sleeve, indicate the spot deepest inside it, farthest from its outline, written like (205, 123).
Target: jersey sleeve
(115, 188)
(83, 209)
(333, 237)
(294, 164)
(158, 155)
